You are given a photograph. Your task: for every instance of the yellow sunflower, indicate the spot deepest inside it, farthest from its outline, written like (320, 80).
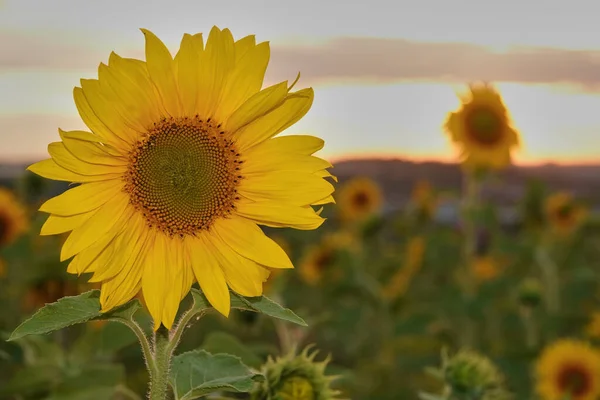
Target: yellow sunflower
(413, 260)
(485, 268)
(359, 198)
(13, 218)
(563, 213)
(592, 330)
(315, 262)
(568, 368)
(180, 167)
(482, 129)
(424, 199)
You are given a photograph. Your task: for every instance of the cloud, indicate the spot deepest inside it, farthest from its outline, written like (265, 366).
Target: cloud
(379, 60)
(344, 60)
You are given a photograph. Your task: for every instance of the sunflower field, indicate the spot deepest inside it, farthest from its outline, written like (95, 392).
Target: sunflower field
(121, 241)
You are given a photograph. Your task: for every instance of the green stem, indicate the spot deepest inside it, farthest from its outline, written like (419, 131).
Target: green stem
(159, 375)
(183, 323)
(550, 275)
(142, 338)
(529, 325)
(470, 204)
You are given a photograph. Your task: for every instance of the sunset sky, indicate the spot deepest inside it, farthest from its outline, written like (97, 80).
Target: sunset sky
(385, 73)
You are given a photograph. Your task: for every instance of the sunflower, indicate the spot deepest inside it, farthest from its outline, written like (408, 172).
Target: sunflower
(482, 129)
(563, 213)
(316, 261)
(592, 329)
(13, 218)
(180, 167)
(568, 369)
(359, 199)
(484, 268)
(423, 199)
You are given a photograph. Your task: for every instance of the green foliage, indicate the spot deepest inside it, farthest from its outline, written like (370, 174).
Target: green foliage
(197, 373)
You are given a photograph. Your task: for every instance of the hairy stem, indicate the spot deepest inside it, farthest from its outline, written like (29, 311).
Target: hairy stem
(142, 338)
(159, 375)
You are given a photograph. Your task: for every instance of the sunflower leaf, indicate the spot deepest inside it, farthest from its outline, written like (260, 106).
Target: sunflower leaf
(197, 373)
(259, 304)
(69, 311)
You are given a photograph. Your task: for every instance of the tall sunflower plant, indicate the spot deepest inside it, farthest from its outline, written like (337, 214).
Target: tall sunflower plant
(180, 166)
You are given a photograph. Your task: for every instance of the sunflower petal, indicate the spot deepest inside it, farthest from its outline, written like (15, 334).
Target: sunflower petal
(209, 274)
(92, 121)
(216, 63)
(104, 220)
(279, 215)
(187, 61)
(246, 79)
(293, 109)
(51, 170)
(249, 241)
(161, 68)
(90, 152)
(83, 198)
(56, 224)
(293, 144)
(255, 107)
(65, 159)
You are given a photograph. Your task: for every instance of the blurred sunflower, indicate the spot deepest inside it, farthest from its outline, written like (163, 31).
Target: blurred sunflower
(482, 129)
(592, 330)
(424, 199)
(316, 261)
(413, 260)
(13, 218)
(568, 369)
(485, 268)
(181, 167)
(359, 199)
(48, 290)
(563, 213)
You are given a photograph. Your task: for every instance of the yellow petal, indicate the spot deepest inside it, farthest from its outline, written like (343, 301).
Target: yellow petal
(128, 243)
(83, 198)
(83, 262)
(92, 121)
(161, 68)
(245, 80)
(243, 45)
(279, 215)
(296, 144)
(51, 170)
(108, 218)
(125, 285)
(159, 277)
(104, 107)
(56, 224)
(255, 107)
(180, 284)
(295, 106)
(243, 275)
(249, 241)
(92, 138)
(291, 187)
(187, 61)
(65, 159)
(216, 63)
(209, 274)
(129, 83)
(263, 162)
(90, 152)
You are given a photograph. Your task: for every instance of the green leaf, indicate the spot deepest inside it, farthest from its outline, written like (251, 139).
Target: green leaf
(221, 342)
(259, 304)
(197, 373)
(69, 311)
(30, 380)
(82, 383)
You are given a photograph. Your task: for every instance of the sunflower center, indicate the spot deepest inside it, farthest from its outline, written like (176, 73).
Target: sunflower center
(296, 388)
(484, 126)
(361, 199)
(324, 259)
(183, 175)
(574, 380)
(564, 212)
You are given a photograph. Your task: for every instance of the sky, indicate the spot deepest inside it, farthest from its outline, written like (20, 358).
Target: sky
(385, 73)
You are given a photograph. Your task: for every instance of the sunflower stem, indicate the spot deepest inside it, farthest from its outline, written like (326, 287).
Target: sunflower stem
(142, 338)
(550, 275)
(159, 376)
(470, 205)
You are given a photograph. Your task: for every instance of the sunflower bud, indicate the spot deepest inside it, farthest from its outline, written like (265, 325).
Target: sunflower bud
(470, 376)
(295, 377)
(530, 293)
